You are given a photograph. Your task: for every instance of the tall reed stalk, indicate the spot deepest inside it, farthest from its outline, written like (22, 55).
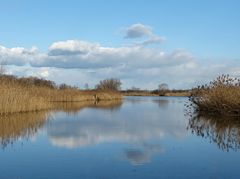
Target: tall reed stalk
(33, 94)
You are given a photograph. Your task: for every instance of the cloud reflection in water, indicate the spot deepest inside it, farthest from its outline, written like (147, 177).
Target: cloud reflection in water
(137, 123)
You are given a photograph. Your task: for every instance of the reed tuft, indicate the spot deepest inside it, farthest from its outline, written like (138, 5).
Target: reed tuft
(220, 97)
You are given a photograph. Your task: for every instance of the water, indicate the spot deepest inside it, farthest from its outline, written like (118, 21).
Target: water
(141, 137)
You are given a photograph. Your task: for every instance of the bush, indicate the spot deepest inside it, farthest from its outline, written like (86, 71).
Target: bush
(221, 97)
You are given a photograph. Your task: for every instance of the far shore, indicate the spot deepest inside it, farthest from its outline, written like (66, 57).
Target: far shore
(144, 93)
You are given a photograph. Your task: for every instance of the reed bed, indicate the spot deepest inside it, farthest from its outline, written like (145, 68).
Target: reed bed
(219, 97)
(33, 94)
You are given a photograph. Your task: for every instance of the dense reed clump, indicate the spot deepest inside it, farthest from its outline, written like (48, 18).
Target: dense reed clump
(32, 94)
(219, 97)
(16, 95)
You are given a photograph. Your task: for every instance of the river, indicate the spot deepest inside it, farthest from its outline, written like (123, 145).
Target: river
(139, 137)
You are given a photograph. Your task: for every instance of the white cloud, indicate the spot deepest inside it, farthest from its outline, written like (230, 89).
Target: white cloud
(78, 62)
(71, 47)
(81, 54)
(139, 30)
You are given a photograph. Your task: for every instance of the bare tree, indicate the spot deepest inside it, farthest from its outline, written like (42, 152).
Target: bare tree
(109, 84)
(162, 89)
(163, 86)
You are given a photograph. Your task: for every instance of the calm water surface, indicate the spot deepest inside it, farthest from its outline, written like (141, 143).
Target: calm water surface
(140, 137)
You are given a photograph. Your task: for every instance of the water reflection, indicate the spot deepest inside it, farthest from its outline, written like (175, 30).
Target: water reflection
(75, 107)
(113, 139)
(25, 125)
(143, 155)
(162, 103)
(136, 99)
(225, 132)
(131, 125)
(15, 126)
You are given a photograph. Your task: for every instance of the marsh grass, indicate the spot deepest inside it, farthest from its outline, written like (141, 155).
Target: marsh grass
(219, 97)
(33, 94)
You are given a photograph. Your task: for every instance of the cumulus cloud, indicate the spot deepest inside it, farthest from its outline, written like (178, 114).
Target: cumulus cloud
(81, 54)
(71, 47)
(139, 30)
(74, 61)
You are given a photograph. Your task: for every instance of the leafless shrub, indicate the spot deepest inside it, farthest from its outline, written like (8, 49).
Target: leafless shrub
(111, 84)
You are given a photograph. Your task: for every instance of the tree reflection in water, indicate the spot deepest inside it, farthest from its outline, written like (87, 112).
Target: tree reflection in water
(75, 107)
(225, 132)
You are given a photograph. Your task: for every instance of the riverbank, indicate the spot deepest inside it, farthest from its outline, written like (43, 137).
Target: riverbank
(174, 94)
(33, 94)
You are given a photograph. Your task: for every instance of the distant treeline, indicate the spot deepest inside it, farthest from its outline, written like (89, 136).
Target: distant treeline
(32, 82)
(157, 92)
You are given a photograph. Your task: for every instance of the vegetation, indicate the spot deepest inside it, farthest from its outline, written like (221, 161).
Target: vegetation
(109, 84)
(138, 92)
(32, 94)
(219, 97)
(162, 89)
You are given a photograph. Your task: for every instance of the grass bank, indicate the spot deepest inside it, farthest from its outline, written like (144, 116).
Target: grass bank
(33, 94)
(219, 97)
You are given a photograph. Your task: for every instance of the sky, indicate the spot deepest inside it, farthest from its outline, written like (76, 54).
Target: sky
(183, 43)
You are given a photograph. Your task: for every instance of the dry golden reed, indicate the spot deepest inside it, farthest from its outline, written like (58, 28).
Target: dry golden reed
(220, 97)
(33, 94)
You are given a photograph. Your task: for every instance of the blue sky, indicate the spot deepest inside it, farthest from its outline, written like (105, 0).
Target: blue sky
(206, 29)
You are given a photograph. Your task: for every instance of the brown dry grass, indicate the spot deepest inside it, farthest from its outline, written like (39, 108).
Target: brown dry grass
(32, 94)
(220, 97)
(184, 94)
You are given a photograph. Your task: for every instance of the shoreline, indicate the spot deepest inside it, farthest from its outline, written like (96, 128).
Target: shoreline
(169, 94)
